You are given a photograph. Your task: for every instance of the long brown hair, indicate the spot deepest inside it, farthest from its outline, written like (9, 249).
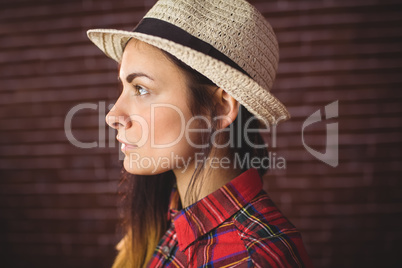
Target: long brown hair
(145, 199)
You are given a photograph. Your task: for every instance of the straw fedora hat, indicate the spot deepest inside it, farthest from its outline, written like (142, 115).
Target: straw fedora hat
(228, 41)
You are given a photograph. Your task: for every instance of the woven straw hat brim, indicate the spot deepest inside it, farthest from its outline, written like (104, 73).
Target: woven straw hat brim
(245, 90)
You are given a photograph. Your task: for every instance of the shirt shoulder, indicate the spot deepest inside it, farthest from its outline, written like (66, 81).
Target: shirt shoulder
(270, 238)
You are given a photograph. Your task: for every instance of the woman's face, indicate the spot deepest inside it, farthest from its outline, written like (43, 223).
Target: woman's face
(152, 112)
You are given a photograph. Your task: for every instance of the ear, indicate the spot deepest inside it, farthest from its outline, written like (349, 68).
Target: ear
(227, 108)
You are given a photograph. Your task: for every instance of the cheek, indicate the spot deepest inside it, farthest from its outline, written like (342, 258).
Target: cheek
(167, 146)
(169, 125)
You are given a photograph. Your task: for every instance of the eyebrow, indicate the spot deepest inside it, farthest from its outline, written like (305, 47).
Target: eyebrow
(132, 76)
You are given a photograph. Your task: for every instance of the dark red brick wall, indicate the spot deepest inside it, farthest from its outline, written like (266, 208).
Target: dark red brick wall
(58, 202)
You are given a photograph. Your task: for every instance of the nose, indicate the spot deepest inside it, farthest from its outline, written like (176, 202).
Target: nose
(117, 118)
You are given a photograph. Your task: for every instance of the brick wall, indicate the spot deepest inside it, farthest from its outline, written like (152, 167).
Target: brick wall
(350, 52)
(58, 202)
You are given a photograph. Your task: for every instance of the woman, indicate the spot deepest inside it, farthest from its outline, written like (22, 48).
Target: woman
(196, 77)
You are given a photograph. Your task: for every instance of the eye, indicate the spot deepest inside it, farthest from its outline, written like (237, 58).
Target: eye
(140, 90)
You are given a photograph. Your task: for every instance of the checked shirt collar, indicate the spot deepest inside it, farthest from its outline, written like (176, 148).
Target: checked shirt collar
(208, 213)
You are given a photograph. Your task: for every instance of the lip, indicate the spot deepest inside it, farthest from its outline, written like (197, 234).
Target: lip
(126, 146)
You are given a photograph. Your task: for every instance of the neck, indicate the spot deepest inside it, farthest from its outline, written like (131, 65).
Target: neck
(212, 176)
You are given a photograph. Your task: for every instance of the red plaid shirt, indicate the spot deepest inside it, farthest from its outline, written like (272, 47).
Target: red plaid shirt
(236, 226)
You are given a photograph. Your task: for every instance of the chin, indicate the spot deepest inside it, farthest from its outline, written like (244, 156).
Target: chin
(136, 169)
